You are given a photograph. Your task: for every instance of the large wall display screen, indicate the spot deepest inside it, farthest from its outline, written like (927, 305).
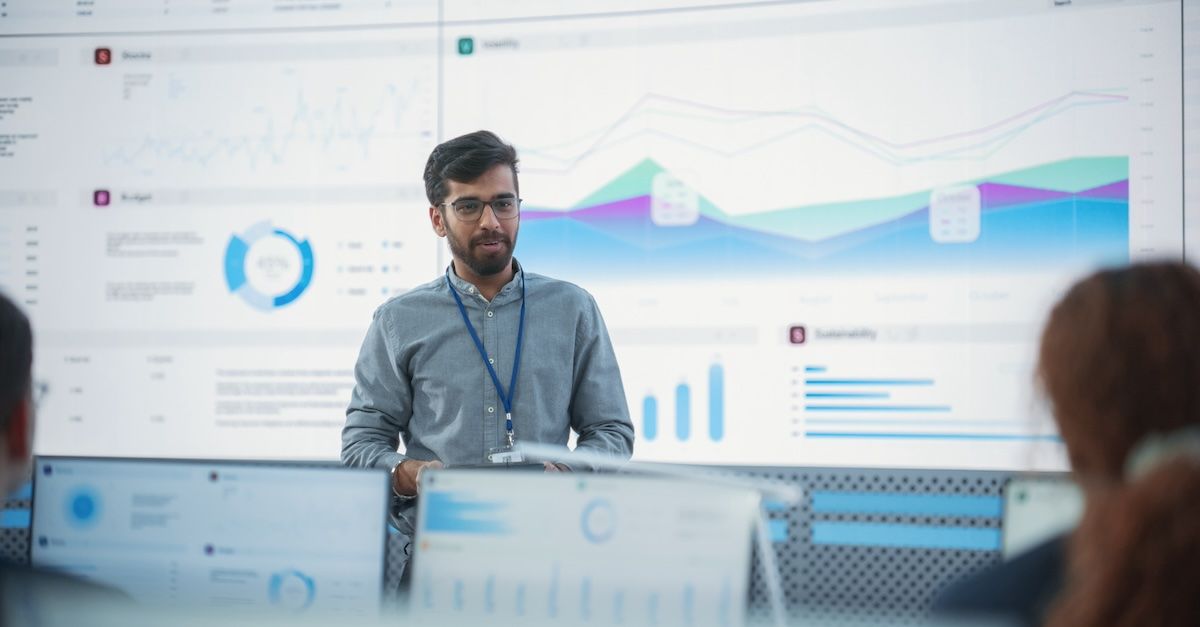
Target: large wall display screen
(821, 233)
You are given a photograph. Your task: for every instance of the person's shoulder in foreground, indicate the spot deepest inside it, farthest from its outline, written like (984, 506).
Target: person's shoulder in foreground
(1021, 589)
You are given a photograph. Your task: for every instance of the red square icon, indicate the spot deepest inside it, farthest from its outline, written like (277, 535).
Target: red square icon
(101, 198)
(797, 334)
(103, 56)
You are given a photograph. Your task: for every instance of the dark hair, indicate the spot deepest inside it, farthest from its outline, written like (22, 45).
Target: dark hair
(1120, 359)
(16, 358)
(464, 159)
(1135, 557)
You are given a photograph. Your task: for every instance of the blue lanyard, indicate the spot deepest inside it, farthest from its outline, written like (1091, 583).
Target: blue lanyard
(506, 399)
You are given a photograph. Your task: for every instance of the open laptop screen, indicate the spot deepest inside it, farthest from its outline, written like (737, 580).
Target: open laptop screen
(215, 534)
(581, 549)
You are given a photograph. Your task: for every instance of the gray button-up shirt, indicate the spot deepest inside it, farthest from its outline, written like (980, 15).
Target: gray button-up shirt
(420, 378)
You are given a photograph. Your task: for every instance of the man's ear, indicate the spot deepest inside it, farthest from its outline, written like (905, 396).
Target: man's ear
(438, 221)
(17, 444)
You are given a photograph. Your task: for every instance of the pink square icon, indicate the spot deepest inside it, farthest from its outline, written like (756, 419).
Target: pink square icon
(797, 334)
(101, 198)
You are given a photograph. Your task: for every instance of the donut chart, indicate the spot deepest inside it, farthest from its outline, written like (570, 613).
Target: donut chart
(236, 253)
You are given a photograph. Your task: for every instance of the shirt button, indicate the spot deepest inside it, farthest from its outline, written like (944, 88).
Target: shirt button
(491, 361)
(490, 313)
(470, 290)
(491, 410)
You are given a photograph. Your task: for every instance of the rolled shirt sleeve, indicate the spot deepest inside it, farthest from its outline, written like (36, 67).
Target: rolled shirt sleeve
(599, 412)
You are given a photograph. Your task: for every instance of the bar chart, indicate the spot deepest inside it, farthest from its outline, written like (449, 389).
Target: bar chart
(684, 416)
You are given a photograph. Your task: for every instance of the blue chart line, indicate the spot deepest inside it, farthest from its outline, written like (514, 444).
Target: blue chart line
(871, 408)
(935, 436)
(892, 422)
(815, 369)
(313, 125)
(847, 395)
(868, 381)
(963, 144)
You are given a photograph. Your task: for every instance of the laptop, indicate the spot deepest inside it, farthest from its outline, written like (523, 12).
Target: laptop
(540, 549)
(1037, 509)
(215, 534)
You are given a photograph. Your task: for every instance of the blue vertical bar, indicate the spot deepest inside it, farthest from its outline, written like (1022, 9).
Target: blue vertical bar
(649, 417)
(683, 411)
(716, 402)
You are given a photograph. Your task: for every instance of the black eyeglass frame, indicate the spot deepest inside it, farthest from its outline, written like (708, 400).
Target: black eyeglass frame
(466, 215)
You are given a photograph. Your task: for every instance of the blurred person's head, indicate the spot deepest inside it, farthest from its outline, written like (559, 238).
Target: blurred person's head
(1120, 364)
(16, 398)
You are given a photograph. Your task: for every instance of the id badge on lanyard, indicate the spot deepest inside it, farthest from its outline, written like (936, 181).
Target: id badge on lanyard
(509, 453)
(505, 455)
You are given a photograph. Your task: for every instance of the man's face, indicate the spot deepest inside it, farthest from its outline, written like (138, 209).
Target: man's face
(483, 247)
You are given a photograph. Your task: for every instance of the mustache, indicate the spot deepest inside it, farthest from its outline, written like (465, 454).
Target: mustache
(491, 237)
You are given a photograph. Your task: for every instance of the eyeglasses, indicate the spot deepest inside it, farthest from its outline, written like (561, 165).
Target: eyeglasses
(471, 209)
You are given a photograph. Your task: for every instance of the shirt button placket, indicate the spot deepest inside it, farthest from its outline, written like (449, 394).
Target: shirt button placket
(491, 400)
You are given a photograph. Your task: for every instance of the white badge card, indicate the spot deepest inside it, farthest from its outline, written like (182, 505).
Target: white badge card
(505, 455)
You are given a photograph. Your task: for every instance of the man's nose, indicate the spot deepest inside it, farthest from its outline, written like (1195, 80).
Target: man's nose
(488, 219)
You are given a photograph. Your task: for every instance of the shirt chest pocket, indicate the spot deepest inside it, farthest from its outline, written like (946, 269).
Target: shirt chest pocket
(550, 364)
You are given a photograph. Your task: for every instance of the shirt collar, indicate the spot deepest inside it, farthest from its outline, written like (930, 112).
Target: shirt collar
(510, 291)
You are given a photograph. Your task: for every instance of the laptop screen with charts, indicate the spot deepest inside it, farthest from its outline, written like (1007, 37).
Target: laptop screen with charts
(580, 549)
(200, 534)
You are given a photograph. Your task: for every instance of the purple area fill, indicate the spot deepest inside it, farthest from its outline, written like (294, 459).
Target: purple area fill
(1112, 191)
(993, 195)
(636, 208)
(528, 216)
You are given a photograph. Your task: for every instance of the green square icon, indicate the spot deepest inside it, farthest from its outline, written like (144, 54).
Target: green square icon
(466, 45)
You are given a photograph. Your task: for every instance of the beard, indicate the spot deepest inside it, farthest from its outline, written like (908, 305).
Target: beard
(482, 263)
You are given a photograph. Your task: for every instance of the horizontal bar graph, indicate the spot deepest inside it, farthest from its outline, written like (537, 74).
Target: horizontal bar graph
(844, 404)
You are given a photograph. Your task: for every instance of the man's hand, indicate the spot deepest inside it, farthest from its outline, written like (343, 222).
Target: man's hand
(553, 467)
(407, 477)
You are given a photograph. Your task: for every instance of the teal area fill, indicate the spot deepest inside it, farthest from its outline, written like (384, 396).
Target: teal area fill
(1076, 217)
(1069, 175)
(816, 222)
(635, 181)
(1069, 232)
